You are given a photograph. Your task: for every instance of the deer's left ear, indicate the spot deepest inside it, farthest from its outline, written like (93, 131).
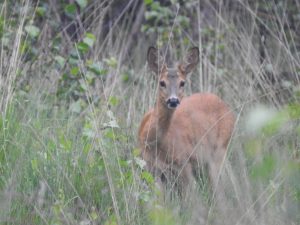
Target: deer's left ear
(191, 60)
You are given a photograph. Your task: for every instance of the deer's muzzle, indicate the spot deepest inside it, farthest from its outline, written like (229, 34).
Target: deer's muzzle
(172, 103)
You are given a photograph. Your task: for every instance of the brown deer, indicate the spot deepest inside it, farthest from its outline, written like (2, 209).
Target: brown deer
(182, 134)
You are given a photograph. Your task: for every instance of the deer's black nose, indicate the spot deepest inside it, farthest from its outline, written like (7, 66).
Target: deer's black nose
(173, 102)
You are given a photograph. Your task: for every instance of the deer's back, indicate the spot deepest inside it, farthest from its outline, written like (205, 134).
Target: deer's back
(203, 117)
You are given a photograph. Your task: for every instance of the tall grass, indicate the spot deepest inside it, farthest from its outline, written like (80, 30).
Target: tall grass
(74, 162)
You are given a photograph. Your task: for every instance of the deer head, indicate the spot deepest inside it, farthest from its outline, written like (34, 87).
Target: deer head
(172, 80)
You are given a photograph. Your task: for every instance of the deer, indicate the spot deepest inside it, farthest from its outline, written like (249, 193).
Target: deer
(180, 135)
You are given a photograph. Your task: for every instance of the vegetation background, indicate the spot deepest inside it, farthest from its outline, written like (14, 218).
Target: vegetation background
(74, 86)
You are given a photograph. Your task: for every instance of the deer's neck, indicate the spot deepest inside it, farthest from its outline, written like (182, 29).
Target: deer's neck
(161, 122)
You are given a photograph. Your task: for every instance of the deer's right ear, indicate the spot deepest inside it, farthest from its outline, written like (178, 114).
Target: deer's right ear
(154, 60)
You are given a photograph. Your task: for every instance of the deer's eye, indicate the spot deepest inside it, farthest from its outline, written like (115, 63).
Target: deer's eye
(182, 83)
(162, 83)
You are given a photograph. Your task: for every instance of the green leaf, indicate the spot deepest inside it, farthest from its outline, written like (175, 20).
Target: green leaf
(60, 60)
(94, 215)
(112, 62)
(90, 77)
(97, 68)
(40, 11)
(151, 15)
(34, 164)
(74, 71)
(136, 152)
(82, 47)
(70, 9)
(32, 30)
(73, 60)
(24, 47)
(110, 134)
(148, 2)
(147, 177)
(113, 100)
(82, 3)
(89, 39)
(125, 77)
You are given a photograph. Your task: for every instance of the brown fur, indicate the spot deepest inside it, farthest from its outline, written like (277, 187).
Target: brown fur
(181, 140)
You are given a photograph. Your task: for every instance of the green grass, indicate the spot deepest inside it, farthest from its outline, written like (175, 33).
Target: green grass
(59, 167)
(43, 147)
